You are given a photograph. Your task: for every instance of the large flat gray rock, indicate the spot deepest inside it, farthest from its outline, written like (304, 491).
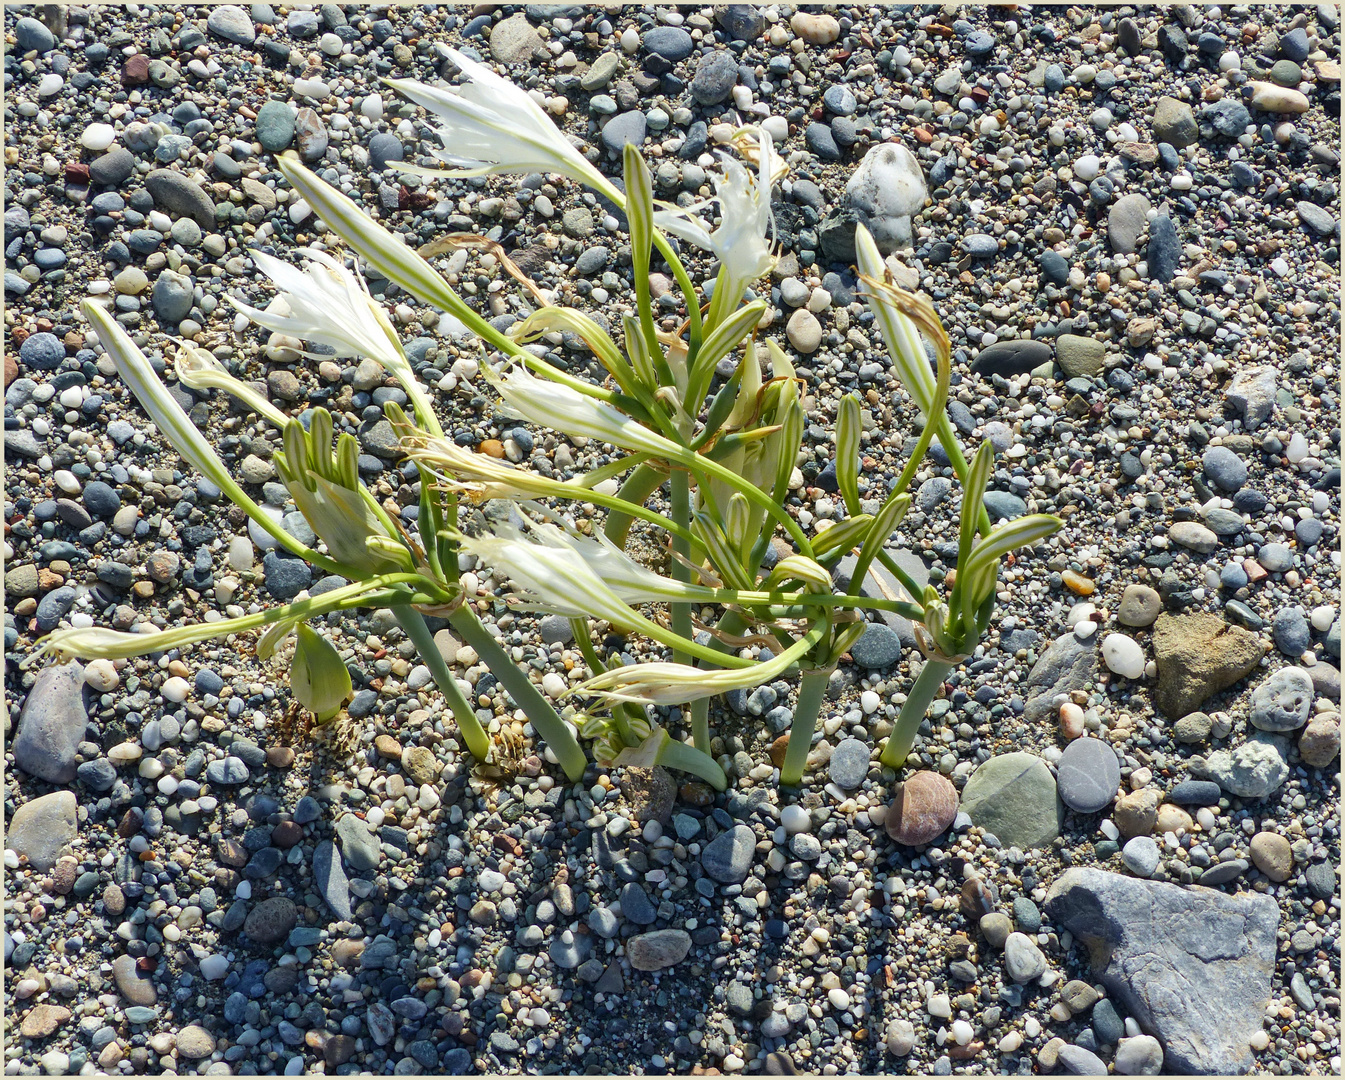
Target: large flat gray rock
(1193, 966)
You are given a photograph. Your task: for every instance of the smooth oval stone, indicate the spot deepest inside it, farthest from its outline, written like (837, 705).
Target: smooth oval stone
(923, 807)
(1088, 775)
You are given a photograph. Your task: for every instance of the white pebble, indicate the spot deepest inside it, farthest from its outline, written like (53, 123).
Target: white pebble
(1322, 618)
(939, 1005)
(1123, 655)
(214, 967)
(176, 689)
(962, 1032)
(839, 999)
(66, 481)
(1296, 451)
(240, 553)
(50, 84)
(101, 675)
(1088, 167)
(795, 819)
(1011, 1042)
(869, 701)
(97, 137)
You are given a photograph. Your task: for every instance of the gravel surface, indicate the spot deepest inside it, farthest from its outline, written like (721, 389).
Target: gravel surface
(1128, 219)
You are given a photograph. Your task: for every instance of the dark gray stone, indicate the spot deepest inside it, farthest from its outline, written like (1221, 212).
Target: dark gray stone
(1069, 664)
(52, 723)
(716, 75)
(1164, 251)
(728, 857)
(330, 877)
(1017, 357)
(877, 648)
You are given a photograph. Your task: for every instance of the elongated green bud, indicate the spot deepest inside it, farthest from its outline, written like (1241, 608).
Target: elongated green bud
(844, 535)
(320, 437)
(347, 461)
(318, 677)
(297, 462)
(847, 451)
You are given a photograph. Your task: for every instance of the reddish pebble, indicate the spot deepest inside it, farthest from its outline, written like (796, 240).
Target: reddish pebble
(922, 808)
(11, 370)
(136, 70)
(286, 834)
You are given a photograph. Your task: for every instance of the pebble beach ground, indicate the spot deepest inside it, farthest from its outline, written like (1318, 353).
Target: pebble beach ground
(1128, 219)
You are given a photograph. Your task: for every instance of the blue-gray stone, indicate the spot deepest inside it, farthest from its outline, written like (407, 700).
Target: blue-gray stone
(227, 771)
(53, 607)
(1195, 793)
(1225, 468)
(670, 42)
(1229, 117)
(52, 723)
(1283, 701)
(1003, 504)
(359, 847)
(33, 36)
(716, 75)
(1291, 632)
(849, 764)
(172, 296)
(839, 99)
(286, 575)
(819, 139)
(877, 648)
(980, 246)
(979, 43)
(385, 148)
(1275, 557)
(1107, 1024)
(626, 127)
(1294, 45)
(98, 775)
(1088, 775)
(1164, 251)
(728, 857)
(636, 906)
(42, 352)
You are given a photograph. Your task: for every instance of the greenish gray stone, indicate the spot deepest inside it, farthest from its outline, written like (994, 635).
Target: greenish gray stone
(1079, 356)
(1014, 797)
(275, 125)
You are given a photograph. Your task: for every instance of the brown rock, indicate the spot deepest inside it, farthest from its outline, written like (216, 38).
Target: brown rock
(232, 853)
(657, 950)
(1197, 656)
(492, 448)
(346, 953)
(287, 834)
(135, 72)
(778, 749)
(1320, 742)
(63, 875)
(1136, 813)
(42, 1020)
(1272, 855)
(650, 792)
(923, 807)
(279, 757)
(114, 900)
(420, 764)
(339, 1050)
(697, 793)
(11, 370)
(388, 747)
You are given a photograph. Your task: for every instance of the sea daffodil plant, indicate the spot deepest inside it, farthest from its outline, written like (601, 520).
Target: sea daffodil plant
(748, 594)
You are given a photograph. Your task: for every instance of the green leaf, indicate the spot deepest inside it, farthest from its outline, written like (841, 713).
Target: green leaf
(973, 494)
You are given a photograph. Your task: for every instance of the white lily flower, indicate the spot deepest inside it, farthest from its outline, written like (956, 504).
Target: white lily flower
(492, 126)
(746, 220)
(554, 405)
(554, 578)
(331, 306)
(199, 370)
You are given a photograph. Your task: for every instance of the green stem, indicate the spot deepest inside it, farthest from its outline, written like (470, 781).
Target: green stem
(688, 291)
(681, 545)
(700, 724)
(953, 448)
(901, 740)
(473, 734)
(702, 464)
(907, 582)
(528, 698)
(812, 688)
(689, 759)
(636, 489)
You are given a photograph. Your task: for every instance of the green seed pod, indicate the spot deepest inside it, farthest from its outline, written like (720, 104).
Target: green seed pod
(318, 677)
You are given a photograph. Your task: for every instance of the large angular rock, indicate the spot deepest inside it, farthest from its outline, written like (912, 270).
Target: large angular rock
(1199, 655)
(888, 189)
(52, 724)
(1193, 966)
(1069, 664)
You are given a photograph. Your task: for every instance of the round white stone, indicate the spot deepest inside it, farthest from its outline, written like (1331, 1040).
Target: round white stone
(554, 685)
(176, 689)
(795, 819)
(97, 136)
(1123, 655)
(214, 967)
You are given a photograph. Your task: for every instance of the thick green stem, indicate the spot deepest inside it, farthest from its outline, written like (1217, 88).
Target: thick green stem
(681, 514)
(901, 740)
(473, 734)
(700, 724)
(907, 582)
(636, 489)
(544, 718)
(677, 755)
(812, 688)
